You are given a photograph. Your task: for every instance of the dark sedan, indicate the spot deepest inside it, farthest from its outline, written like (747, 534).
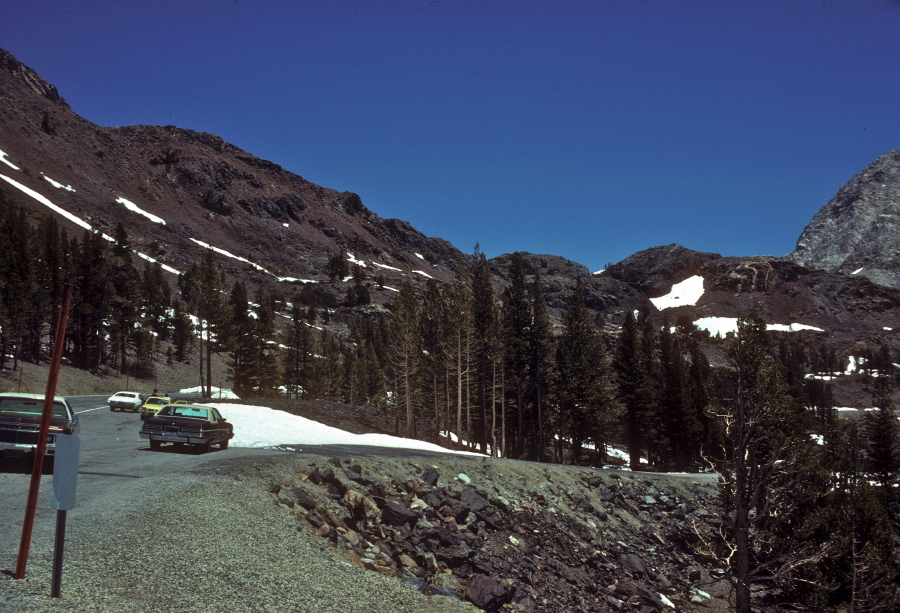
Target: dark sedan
(187, 424)
(20, 420)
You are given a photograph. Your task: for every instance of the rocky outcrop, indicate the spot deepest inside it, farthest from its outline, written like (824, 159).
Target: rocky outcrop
(654, 270)
(30, 78)
(858, 231)
(515, 535)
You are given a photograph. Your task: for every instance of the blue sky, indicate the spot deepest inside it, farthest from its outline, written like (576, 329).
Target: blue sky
(589, 130)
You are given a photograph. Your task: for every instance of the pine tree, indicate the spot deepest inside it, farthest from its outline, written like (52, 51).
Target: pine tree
(264, 368)
(405, 355)
(297, 357)
(584, 407)
(434, 334)
(239, 339)
(486, 348)
(884, 436)
(709, 437)
(858, 574)
(630, 379)
(124, 294)
(517, 338)
(18, 260)
(366, 379)
(202, 287)
(772, 480)
(541, 365)
(86, 329)
(459, 347)
(182, 337)
(157, 299)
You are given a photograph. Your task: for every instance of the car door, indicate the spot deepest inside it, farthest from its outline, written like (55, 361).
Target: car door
(218, 435)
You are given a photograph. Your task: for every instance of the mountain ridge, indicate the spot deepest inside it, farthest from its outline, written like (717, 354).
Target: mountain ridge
(280, 230)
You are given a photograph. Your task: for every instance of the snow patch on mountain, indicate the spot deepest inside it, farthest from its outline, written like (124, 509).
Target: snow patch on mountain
(58, 185)
(136, 209)
(686, 293)
(722, 326)
(7, 162)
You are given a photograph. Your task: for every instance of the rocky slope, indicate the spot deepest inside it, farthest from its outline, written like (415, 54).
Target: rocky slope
(202, 188)
(858, 231)
(516, 536)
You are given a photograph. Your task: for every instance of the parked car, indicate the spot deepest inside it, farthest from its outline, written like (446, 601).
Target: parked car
(125, 401)
(188, 424)
(20, 422)
(153, 404)
(182, 401)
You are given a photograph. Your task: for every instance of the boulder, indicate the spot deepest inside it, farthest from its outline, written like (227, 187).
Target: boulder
(485, 593)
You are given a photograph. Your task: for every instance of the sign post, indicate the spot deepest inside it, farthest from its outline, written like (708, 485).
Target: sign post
(40, 449)
(62, 497)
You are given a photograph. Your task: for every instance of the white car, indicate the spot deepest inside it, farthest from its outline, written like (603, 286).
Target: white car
(125, 401)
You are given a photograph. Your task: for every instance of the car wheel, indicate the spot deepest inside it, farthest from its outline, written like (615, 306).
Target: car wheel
(155, 445)
(206, 446)
(224, 444)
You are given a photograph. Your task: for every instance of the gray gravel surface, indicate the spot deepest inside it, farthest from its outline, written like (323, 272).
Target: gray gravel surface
(212, 539)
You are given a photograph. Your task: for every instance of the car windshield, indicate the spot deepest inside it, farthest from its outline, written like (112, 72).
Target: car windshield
(185, 411)
(156, 401)
(29, 407)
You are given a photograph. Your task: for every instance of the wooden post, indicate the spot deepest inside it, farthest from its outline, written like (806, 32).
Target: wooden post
(34, 489)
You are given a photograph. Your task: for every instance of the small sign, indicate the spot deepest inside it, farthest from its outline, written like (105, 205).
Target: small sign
(65, 472)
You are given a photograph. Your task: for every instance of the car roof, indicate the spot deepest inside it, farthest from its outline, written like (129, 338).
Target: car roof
(31, 396)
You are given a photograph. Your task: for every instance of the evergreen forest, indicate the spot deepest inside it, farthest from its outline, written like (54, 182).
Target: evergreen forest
(809, 505)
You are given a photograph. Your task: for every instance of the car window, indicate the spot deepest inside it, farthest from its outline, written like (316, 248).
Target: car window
(216, 415)
(28, 407)
(127, 395)
(185, 411)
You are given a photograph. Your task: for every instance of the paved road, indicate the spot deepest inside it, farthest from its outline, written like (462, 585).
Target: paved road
(112, 455)
(114, 458)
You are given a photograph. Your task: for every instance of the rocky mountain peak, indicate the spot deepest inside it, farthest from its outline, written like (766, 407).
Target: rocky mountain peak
(654, 270)
(858, 231)
(30, 78)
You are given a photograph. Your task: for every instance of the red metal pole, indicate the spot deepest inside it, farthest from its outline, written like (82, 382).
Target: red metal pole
(38, 467)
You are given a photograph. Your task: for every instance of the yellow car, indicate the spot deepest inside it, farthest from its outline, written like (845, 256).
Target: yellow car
(153, 405)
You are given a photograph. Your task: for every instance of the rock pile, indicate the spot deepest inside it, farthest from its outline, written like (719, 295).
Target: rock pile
(517, 538)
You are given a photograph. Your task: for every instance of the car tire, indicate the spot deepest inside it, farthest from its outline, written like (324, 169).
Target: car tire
(206, 446)
(155, 445)
(224, 444)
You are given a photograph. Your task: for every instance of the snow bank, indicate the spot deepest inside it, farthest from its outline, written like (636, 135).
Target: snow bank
(262, 427)
(217, 392)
